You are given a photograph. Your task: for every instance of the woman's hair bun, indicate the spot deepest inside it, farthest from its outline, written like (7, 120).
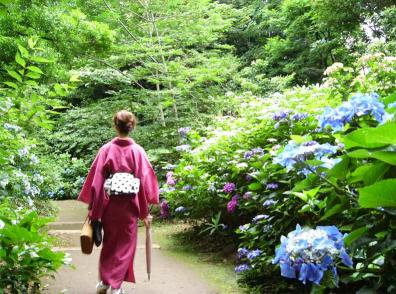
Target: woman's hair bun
(124, 121)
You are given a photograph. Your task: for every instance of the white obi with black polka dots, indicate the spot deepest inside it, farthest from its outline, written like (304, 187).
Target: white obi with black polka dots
(122, 184)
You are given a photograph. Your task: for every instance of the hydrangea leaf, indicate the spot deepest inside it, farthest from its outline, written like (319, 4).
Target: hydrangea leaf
(380, 194)
(333, 210)
(369, 173)
(372, 137)
(354, 235)
(255, 186)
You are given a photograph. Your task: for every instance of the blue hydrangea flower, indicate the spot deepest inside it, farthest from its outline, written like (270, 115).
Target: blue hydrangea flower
(307, 253)
(280, 115)
(241, 268)
(253, 254)
(269, 202)
(294, 153)
(272, 186)
(242, 252)
(358, 105)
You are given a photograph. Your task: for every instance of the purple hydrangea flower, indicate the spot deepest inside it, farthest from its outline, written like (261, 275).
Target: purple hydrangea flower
(299, 116)
(247, 195)
(184, 131)
(269, 202)
(255, 151)
(272, 186)
(242, 252)
(248, 178)
(164, 209)
(241, 268)
(280, 115)
(187, 187)
(232, 205)
(253, 254)
(229, 187)
(170, 180)
(260, 217)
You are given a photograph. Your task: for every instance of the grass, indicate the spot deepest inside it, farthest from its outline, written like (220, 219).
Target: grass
(211, 266)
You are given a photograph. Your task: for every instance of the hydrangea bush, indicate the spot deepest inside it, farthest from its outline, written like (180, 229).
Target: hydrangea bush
(301, 157)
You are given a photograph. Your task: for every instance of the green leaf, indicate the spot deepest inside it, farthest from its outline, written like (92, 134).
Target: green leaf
(40, 59)
(369, 173)
(23, 51)
(35, 69)
(332, 211)
(255, 186)
(33, 75)
(32, 42)
(385, 156)
(59, 90)
(20, 60)
(390, 99)
(75, 78)
(388, 157)
(15, 75)
(380, 136)
(340, 170)
(360, 153)
(11, 84)
(354, 235)
(5, 2)
(380, 194)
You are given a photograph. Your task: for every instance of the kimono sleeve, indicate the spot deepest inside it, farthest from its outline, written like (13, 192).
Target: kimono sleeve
(92, 191)
(148, 193)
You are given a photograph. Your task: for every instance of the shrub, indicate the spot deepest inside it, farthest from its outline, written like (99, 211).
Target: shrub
(26, 253)
(275, 167)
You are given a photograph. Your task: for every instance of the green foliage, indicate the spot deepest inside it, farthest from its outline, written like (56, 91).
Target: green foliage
(26, 253)
(304, 37)
(25, 250)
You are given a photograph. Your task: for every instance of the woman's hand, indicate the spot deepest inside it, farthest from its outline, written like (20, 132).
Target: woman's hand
(147, 221)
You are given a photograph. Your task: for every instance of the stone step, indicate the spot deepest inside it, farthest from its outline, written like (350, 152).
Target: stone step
(66, 238)
(66, 225)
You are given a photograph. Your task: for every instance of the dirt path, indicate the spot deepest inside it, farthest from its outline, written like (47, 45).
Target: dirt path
(168, 275)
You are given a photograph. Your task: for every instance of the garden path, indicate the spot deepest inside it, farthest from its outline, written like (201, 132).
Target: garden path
(168, 275)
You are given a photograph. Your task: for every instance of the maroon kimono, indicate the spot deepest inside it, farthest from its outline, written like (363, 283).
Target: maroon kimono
(119, 214)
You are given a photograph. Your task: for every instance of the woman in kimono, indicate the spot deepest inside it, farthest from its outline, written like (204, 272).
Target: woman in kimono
(119, 214)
